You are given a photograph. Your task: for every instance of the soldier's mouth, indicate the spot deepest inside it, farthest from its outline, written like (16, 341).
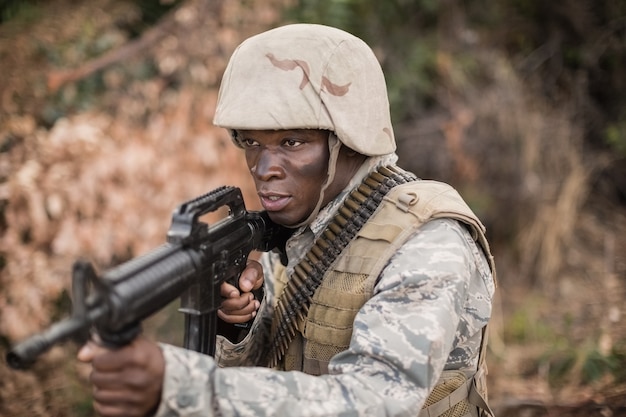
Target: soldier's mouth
(274, 202)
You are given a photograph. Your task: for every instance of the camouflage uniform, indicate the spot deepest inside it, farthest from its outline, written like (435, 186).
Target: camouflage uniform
(427, 314)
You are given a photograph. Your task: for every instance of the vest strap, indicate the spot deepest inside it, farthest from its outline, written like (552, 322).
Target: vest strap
(446, 403)
(476, 398)
(467, 391)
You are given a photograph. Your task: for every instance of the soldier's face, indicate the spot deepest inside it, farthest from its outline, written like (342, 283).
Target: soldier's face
(289, 168)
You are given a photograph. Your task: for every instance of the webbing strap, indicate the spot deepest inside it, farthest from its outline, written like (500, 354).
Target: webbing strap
(466, 391)
(449, 401)
(476, 399)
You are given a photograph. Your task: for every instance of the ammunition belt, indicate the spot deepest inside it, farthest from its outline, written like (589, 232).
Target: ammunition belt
(293, 303)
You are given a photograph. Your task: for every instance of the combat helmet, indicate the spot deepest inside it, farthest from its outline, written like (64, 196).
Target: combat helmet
(308, 76)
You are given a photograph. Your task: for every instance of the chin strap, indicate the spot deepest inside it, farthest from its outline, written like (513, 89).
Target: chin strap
(334, 145)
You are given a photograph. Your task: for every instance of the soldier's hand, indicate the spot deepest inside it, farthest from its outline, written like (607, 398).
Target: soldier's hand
(240, 306)
(126, 381)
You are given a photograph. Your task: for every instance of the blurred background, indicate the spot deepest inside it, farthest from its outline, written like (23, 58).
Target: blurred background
(105, 127)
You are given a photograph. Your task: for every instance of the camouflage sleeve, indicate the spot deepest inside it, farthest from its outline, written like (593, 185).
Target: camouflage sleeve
(429, 305)
(432, 301)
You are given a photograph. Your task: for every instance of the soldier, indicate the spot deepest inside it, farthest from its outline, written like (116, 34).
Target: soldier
(381, 303)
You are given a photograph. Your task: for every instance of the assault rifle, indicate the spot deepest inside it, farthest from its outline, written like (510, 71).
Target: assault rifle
(195, 260)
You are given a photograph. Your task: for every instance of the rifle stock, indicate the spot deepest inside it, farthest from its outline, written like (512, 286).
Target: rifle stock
(191, 265)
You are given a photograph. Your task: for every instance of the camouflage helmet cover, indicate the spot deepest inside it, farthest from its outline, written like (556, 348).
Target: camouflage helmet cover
(307, 76)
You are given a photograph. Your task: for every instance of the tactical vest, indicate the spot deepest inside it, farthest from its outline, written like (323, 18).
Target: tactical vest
(327, 328)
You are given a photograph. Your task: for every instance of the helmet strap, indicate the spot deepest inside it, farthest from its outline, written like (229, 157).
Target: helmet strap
(334, 145)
